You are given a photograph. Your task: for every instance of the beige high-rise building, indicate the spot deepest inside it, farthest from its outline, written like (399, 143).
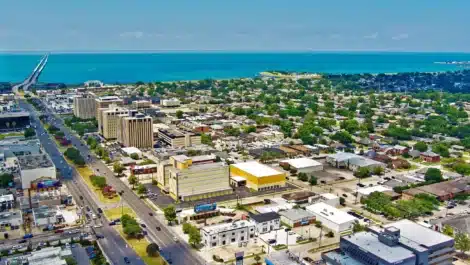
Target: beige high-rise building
(105, 102)
(109, 120)
(84, 106)
(135, 130)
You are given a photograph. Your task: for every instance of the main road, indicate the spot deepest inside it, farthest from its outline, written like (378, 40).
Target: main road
(180, 252)
(113, 245)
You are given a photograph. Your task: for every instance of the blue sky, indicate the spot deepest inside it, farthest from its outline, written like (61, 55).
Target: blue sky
(254, 25)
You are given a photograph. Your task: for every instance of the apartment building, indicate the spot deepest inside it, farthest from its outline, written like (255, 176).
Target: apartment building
(135, 130)
(178, 138)
(400, 243)
(108, 123)
(227, 233)
(84, 106)
(189, 182)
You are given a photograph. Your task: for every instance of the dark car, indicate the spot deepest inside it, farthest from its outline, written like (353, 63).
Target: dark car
(98, 236)
(143, 225)
(22, 241)
(127, 260)
(361, 185)
(100, 210)
(158, 228)
(151, 214)
(309, 260)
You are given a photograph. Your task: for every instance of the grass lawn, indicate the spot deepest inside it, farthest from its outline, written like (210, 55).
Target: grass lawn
(86, 172)
(4, 135)
(140, 247)
(412, 167)
(115, 213)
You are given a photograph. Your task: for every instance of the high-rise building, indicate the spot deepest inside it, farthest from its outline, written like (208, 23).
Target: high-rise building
(84, 106)
(105, 102)
(135, 130)
(109, 121)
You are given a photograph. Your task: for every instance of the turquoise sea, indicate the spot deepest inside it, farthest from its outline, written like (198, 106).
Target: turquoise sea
(75, 68)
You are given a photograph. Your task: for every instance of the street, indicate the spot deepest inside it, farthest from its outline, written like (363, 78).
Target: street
(180, 252)
(113, 245)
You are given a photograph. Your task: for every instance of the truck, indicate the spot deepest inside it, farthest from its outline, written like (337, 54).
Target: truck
(205, 207)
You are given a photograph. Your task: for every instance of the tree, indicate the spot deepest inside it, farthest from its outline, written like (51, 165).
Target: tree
(70, 261)
(141, 189)
(134, 156)
(433, 175)
(313, 181)
(343, 137)
(133, 180)
(357, 227)
(257, 258)
(249, 129)
(132, 229)
(118, 168)
(362, 172)
(302, 176)
(421, 146)
(378, 171)
(5, 180)
(153, 250)
(206, 139)
(441, 149)
(194, 237)
(448, 230)
(98, 181)
(179, 114)
(462, 242)
(74, 155)
(29, 132)
(342, 201)
(186, 228)
(170, 213)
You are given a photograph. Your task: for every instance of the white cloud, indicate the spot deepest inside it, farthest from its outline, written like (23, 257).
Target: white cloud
(402, 36)
(372, 36)
(132, 34)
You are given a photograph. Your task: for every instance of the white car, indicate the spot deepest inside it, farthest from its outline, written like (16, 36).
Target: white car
(94, 216)
(175, 238)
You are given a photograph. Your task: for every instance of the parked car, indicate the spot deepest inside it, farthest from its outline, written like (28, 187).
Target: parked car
(158, 228)
(127, 260)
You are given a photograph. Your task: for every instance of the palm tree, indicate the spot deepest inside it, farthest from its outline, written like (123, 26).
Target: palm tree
(8, 125)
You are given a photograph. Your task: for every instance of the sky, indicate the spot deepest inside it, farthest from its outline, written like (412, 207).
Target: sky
(229, 25)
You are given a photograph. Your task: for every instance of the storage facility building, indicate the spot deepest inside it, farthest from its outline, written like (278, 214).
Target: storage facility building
(331, 217)
(258, 176)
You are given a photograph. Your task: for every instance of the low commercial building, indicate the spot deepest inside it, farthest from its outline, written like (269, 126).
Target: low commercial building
(327, 198)
(14, 120)
(84, 106)
(259, 176)
(442, 191)
(283, 258)
(173, 102)
(35, 167)
(400, 243)
(179, 138)
(352, 161)
(188, 181)
(12, 219)
(298, 196)
(7, 202)
(45, 215)
(49, 256)
(19, 146)
(266, 222)
(332, 218)
(227, 233)
(366, 191)
(141, 104)
(297, 217)
(303, 165)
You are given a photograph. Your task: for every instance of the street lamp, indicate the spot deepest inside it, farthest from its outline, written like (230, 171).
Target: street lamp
(120, 198)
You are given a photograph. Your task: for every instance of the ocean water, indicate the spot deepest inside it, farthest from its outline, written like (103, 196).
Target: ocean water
(132, 67)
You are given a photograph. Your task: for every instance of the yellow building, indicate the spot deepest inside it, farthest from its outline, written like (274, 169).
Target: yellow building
(258, 176)
(189, 182)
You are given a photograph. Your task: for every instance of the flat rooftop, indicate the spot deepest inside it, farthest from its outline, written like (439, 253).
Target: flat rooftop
(218, 228)
(34, 161)
(331, 213)
(174, 133)
(369, 242)
(419, 234)
(257, 169)
(302, 162)
(108, 98)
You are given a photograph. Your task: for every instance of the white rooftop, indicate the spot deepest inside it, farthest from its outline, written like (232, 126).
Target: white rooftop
(368, 190)
(419, 234)
(331, 213)
(217, 228)
(131, 150)
(257, 169)
(302, 162)
(329, 196)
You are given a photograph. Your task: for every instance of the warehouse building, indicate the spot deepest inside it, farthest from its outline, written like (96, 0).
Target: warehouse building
(303, 165)
(35, 167)
(258, 176)
(188, 181)
(297, 217)
(331, 217)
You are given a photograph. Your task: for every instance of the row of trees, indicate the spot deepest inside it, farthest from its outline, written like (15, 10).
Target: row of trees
(194, 234)
(130, 226)
(74, 155)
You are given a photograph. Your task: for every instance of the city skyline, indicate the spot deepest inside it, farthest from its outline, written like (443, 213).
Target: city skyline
(209, 25)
